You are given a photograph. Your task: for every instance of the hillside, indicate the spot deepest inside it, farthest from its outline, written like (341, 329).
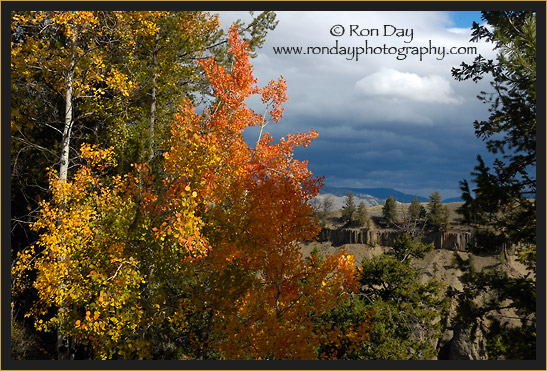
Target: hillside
(371, 196)
(456, 342)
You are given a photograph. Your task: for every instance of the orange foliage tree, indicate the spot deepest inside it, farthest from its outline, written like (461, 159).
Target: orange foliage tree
(205, 251)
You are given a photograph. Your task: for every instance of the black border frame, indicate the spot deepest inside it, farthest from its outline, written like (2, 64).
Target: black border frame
(8, 6)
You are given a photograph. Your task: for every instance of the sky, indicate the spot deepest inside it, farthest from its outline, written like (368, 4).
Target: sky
(387, 117)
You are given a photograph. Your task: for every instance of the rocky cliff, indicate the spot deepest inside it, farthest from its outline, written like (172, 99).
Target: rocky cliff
(455, 241)
(457, 341)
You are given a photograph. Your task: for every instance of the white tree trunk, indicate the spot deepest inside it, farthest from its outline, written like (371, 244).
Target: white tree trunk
(63, 342)
(69, 120)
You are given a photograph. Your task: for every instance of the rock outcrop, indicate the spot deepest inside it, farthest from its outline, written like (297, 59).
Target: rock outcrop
(455, 241)
(468, 343)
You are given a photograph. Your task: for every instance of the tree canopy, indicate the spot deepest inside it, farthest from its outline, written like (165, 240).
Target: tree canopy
(192, 250)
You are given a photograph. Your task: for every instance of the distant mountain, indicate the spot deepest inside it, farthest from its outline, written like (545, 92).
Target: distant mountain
(339, 199)
(372, 196)
(378, 193)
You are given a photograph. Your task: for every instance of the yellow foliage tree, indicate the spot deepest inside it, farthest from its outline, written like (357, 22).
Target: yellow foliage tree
(207, 249)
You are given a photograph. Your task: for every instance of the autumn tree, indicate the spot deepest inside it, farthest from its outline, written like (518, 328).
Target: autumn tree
(57, 68)
(90, 284)
(114, 78)
(60, 53)
(154, 50)
(157, 50)
(260, 211)
(45, 75)
(501, 206)
(125, 78)
(200, 260)
(55, 55)
(61, 60)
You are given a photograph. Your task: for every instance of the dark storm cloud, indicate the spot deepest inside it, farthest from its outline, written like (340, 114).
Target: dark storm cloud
(417, 161)
(382, 122)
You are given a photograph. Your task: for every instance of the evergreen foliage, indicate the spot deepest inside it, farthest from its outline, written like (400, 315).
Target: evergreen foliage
(389, 211)
(438, 216)
(415, 209)
(406, 312)
(415, 219)
(362, 216)
(403, 312)
(501, 206)
(349, 209)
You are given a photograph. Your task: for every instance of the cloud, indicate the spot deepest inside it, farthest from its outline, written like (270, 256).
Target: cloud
(460, 31)
(393, 84)
(382, 122)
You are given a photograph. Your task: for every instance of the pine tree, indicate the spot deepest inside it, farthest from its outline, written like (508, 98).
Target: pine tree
(438, 217)
(389, 210)
(348, 210)
(362, 215)
(414, 219)
(403, 306)
(414, 209)
(501, 206)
